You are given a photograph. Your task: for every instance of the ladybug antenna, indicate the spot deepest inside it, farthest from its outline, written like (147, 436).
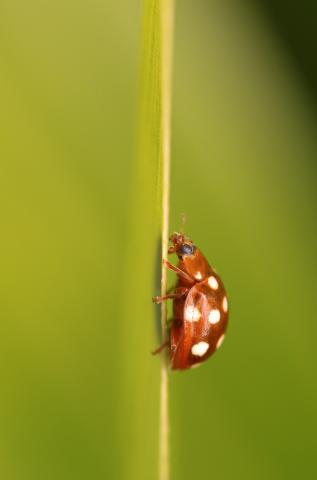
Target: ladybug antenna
(183, 221)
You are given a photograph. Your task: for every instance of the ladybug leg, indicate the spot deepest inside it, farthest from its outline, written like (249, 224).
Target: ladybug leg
(161, 347)
(178, 293)
(178, 271)
(167, 342)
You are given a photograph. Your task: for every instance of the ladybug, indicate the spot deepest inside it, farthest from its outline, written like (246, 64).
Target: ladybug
(200, 307)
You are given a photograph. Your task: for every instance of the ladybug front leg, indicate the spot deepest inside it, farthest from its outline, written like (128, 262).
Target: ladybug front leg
(177, 293)
(178, 271)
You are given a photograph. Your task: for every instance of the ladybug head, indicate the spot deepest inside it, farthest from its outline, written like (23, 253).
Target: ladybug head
(182, 245)
(191, 260)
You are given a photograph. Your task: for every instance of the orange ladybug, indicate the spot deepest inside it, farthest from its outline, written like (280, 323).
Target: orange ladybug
(200, 307)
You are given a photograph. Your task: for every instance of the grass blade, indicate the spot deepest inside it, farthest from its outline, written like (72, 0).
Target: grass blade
(167, 23)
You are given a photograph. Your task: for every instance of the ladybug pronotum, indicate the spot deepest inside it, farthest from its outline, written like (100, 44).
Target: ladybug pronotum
(200, 307)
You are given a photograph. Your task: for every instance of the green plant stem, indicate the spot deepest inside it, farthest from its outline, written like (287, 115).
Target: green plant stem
(167, 26)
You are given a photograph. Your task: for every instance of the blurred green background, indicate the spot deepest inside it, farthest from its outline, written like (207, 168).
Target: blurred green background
(79, 389)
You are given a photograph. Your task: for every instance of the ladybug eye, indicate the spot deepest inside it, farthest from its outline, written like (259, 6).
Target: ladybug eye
(187, 249)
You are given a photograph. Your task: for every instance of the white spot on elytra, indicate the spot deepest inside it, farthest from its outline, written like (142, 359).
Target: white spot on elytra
(225, 304)
(214, 316)
(199, 349)
(221, 339)
(213, 283)
(198, 276)
(192, 314)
